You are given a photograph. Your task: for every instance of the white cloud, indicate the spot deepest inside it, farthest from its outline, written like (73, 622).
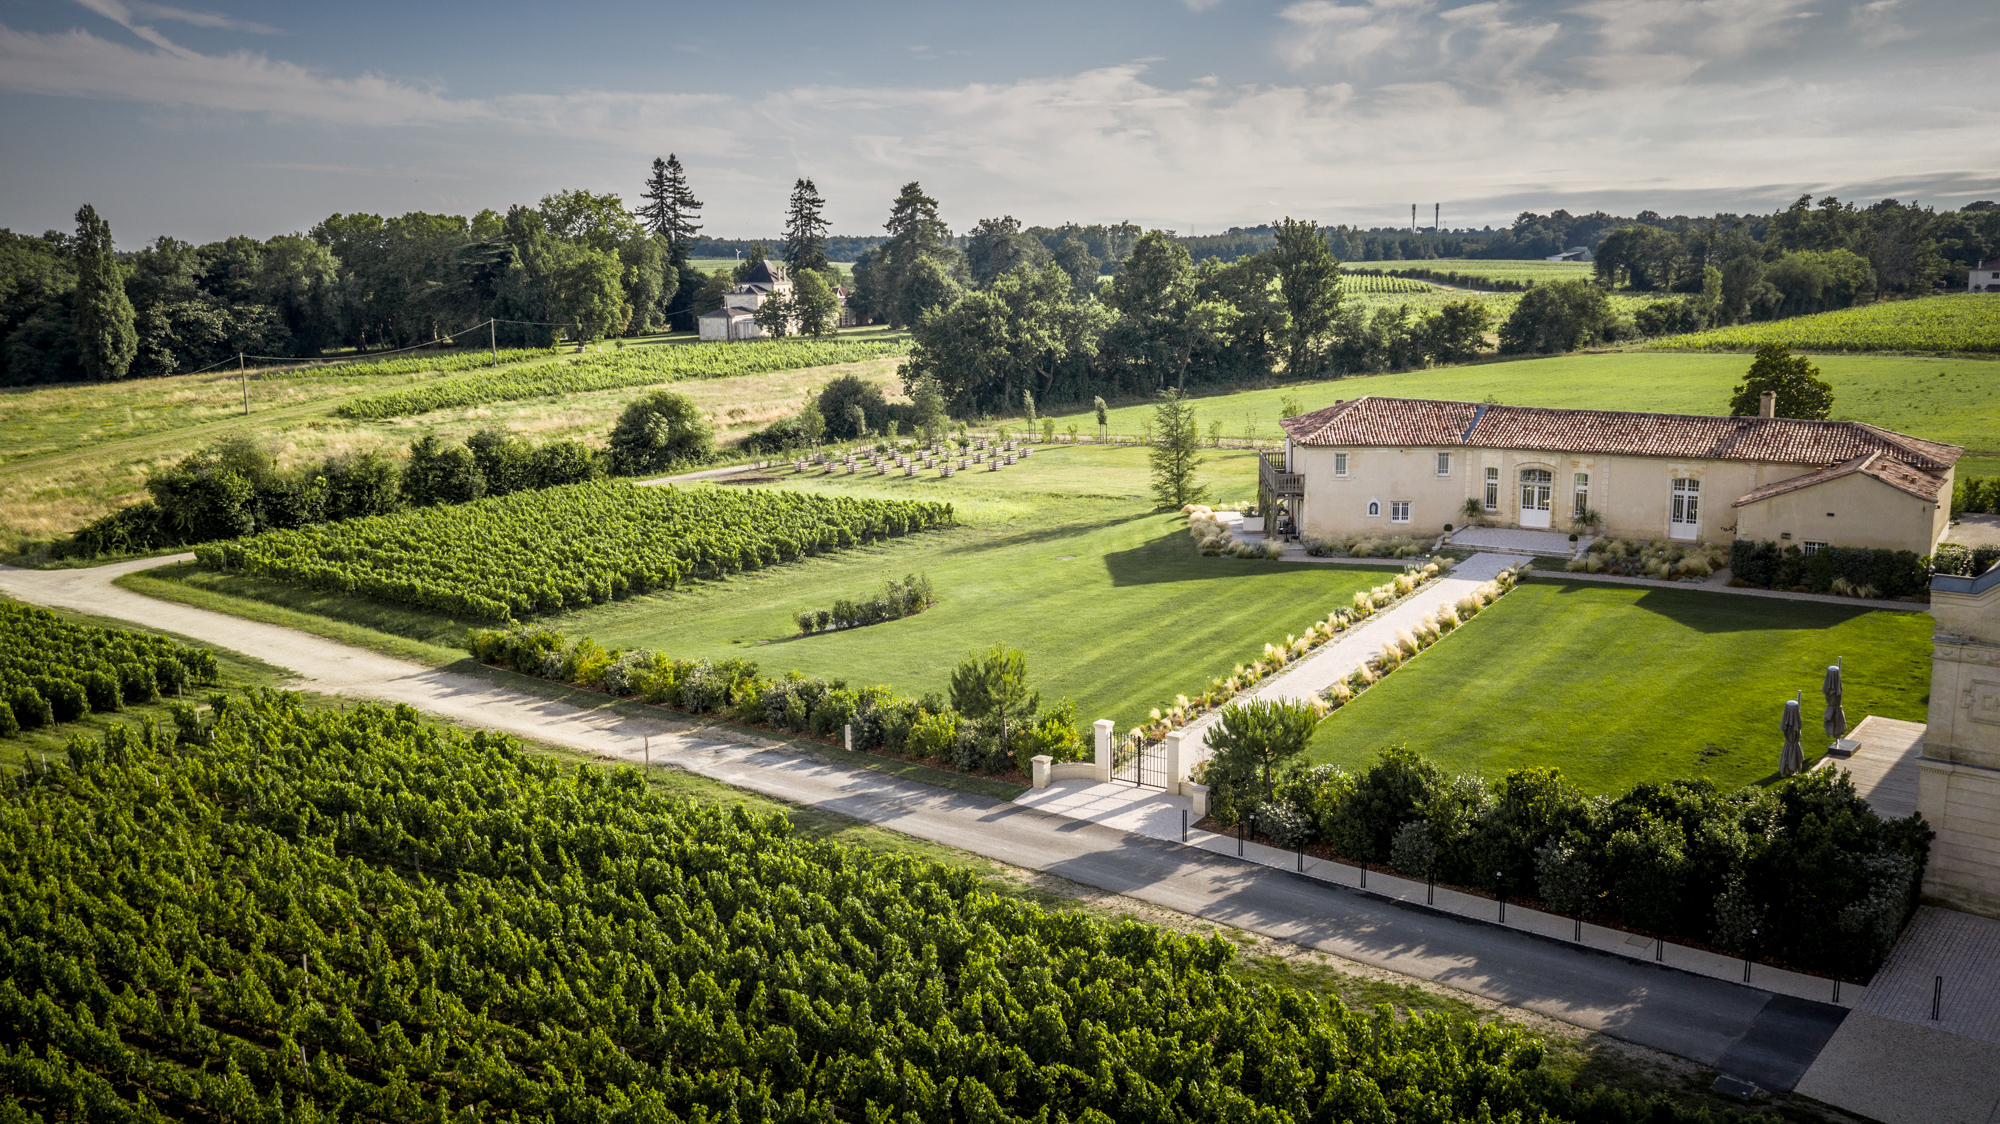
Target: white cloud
(1347, 34)
(1478, 118)
(1877, 24)
(195, 19)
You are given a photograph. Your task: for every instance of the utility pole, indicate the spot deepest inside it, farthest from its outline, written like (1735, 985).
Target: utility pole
(1413, 218)
(243, 373)
(1437, 221)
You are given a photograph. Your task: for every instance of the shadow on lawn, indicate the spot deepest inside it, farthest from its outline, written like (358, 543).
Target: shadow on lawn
(1706, 611)
(1173, 558)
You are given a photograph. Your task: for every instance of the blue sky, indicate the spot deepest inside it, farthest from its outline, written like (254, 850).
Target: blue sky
(210, 119)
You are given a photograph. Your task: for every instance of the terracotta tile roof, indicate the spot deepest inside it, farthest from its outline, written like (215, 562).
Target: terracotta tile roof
(1416, 421)
(1880, 466)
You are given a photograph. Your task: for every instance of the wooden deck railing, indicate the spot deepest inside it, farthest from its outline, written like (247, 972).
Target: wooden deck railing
(1275, 481)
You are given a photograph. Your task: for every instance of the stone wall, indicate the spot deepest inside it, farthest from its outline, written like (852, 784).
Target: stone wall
(1959, 780)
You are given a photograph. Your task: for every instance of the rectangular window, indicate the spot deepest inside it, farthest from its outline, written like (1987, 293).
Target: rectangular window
(1492, 489)
(1685, 514)
(1399, 511)
(1340, 464)
(1814, 547)
(1580, 498)
(1444, 464)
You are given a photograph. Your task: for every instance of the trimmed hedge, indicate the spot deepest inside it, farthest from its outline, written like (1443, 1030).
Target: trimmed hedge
(1833, 569)
(1827, 882)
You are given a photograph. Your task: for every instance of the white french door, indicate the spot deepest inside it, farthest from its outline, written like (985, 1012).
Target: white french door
(1684, 517)
(1537, 487)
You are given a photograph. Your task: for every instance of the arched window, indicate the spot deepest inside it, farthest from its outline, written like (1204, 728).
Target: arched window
(1374, 508)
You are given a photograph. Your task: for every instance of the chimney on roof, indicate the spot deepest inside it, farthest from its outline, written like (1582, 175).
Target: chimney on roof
(1767, 404)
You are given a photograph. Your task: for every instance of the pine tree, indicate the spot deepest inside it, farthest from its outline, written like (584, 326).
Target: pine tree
(105, 332)
(1176, 452)
(915, 233)
(805, 230)
(671, 209)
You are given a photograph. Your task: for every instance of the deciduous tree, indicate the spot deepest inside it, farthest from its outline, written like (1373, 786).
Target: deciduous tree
(814, 304)
(1309, 281)
(660, 432)
(1801, 392)
(1559, 316)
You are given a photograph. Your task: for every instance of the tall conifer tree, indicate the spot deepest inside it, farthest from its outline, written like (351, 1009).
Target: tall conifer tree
(805, 230)
(915, 233)
(105, 332)
(671, 209)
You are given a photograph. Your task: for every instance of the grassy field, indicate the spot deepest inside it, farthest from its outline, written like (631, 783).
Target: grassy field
(1953, 400)
(1060, 556)
(89, 448)
(1616, 684)
(1959, 322)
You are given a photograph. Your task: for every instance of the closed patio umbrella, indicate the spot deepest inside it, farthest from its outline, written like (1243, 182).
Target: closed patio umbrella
(1835, 722)
(1793, 759)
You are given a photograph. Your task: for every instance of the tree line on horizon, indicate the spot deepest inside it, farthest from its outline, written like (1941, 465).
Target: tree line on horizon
(581, 266)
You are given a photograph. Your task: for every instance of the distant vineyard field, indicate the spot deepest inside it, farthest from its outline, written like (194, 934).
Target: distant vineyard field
(441, 361)
(558, 548)
(613, 370)
(1962, 322)
(1469, 272)
(1366, 283)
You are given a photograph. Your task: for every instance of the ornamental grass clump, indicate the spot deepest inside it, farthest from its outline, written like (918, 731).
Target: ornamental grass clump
(1655, 558)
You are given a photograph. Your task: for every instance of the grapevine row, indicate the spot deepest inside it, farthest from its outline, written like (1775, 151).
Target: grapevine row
(560, 548)
(643, 366)
(53, 670)
(286, 913)
(443, 362)
(1963, 322)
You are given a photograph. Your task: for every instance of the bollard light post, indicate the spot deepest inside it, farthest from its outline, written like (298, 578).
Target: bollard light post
(1500, 892)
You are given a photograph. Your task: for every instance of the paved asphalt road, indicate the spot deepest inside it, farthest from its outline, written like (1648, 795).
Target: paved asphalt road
(1770, 1040)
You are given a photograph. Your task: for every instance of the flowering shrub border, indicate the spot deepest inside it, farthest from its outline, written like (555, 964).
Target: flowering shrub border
(1224, 690)
(927, 731)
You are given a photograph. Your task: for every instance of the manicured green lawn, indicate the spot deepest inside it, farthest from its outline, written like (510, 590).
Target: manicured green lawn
(1952, 400)
(1108, 599)
(1616, 684)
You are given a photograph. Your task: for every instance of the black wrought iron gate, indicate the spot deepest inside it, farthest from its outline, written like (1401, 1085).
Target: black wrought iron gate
(1138, 764)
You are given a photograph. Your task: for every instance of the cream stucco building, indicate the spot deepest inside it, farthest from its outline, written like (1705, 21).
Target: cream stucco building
(737, 318)
(1410, 466)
